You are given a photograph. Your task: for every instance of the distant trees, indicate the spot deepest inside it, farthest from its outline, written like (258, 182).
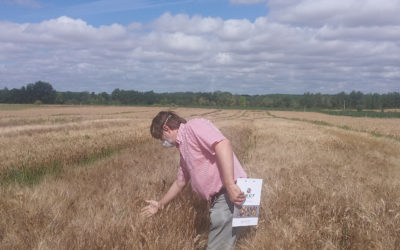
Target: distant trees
(39, 91)
(43, 92)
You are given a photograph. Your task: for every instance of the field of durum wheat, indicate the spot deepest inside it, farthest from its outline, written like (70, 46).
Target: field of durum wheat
(77, 177)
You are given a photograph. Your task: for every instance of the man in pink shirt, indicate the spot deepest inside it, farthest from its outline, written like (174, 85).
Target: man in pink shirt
(207, 160)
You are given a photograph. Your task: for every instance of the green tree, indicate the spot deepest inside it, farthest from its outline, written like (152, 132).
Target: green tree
(242, 101)
(203, 101)
(356, 98)
(41, 91)
(59, 98)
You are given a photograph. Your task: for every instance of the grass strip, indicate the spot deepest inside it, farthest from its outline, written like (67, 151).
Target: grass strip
(369, 114)
(17, 106)
(345, 127)
(29, 176)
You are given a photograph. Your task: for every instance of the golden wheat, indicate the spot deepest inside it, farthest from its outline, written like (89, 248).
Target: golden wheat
(324, 187)
(384, 126)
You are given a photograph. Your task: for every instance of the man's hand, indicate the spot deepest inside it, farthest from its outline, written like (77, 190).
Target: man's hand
(150, 209)
(235, 194)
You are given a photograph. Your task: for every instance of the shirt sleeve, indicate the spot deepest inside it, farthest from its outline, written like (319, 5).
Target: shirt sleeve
(206, 134)
(183, 174)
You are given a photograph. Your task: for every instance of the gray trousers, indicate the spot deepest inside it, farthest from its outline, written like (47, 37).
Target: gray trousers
(221, 235)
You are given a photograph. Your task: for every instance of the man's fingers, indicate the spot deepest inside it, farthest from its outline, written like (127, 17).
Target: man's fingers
(145, 209)
(150, 202)
(150, 209)
(239, 199)
(146, 213)
(238, 203)
(241, 196)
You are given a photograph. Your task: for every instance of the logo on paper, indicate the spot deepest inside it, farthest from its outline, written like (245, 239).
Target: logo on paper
(249, 194)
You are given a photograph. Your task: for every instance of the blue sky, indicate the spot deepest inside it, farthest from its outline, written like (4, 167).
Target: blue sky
(124, 11)
(240, 46)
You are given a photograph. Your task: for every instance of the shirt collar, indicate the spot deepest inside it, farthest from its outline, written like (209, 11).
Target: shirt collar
(179, 136)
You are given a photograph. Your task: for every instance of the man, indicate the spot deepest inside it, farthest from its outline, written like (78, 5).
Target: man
(206, 158)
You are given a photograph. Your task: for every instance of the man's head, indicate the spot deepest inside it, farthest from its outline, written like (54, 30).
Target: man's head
(165, 126)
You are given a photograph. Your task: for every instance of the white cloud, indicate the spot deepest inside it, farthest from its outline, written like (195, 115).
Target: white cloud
(298, 51)
(236, 30)
(179, 42)
(223, 58)
(340, 13)
(183, 23)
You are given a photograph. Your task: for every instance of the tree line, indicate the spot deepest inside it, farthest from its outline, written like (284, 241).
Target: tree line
(43, 92)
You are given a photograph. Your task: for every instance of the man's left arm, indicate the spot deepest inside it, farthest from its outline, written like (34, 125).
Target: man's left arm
(224, 153)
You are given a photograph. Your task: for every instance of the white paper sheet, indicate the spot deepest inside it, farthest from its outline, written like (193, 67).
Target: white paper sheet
(247, 214)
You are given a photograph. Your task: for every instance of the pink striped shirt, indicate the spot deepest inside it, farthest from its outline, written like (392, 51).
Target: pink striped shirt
(196, 140)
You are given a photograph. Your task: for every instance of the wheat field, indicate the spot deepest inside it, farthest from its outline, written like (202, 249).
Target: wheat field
(76, 178)
(379, 126)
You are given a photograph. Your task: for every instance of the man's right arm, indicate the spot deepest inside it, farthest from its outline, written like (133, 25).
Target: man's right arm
(154, 206)
(173, 191)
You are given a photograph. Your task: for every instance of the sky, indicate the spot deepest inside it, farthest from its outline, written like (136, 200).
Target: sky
(240, 46)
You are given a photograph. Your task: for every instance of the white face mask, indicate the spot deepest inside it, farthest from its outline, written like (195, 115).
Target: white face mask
(167, 144)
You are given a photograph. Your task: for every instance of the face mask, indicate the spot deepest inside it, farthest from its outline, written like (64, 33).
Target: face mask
(167, 144)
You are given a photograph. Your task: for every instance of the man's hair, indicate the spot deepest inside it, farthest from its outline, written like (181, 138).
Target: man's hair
(169, 118)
